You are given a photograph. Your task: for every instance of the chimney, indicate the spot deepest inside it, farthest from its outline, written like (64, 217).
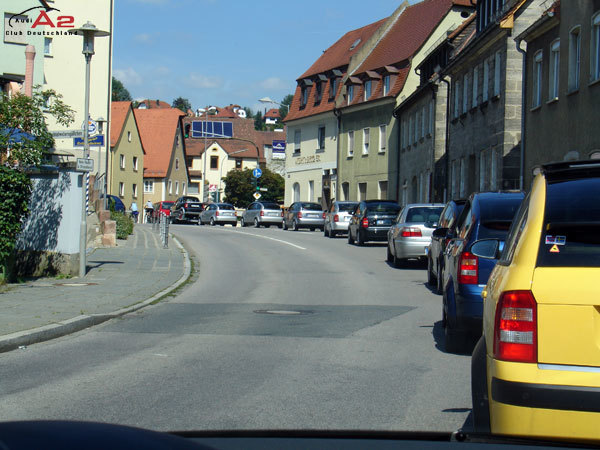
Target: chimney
(29, 66)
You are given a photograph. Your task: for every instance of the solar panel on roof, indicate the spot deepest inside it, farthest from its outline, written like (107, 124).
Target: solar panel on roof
(211, 129)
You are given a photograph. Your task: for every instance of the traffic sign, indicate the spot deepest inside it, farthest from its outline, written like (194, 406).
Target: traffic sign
(257, 195)
(92, 126)
(263, 189)
(257, 173)
(212, 188)
(65, 134)
(85, 165)
(94, 141)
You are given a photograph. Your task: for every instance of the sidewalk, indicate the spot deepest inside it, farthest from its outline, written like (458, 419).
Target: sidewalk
(119, 280)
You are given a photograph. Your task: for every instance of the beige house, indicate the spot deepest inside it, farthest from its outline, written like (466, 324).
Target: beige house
(126, 161)
(165, 171)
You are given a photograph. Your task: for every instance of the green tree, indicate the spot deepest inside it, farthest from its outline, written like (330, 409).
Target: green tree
(240, 187)
(182, 104)
(259, 121)
(119, 92)
(287, 101)
(24, 138)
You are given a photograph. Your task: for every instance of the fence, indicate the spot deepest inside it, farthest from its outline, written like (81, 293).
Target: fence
(160, 224)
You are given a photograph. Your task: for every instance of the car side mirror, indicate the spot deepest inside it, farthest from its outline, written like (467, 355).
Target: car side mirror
(487, 248)
(440, 233)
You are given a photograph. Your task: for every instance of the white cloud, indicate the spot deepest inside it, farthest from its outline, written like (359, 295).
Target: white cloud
(128, 76)
(202, 81)
(274, 83)
(143, 38)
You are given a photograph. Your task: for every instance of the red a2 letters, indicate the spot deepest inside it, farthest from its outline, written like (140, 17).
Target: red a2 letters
(62, 21)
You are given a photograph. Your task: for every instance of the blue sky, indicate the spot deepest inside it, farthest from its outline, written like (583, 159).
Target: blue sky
(217, 52)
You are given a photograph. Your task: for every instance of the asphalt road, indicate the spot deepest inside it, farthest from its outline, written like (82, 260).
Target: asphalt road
(279, 330)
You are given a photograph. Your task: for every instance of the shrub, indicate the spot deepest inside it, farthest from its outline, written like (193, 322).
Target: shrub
(124, 224)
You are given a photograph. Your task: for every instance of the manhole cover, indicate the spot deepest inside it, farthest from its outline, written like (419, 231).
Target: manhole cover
(75, 284)
(282, 312)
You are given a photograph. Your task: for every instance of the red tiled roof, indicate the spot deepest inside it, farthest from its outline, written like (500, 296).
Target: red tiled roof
(154, 104)
(339, 54)
(118, 115)
(157, 129)
(273, 114)
(408, 34)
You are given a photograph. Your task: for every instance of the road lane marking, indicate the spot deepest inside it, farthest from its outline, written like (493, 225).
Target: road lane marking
(265, 237)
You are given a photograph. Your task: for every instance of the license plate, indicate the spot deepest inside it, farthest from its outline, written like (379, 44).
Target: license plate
(383, 222)
(273, 214)
(195, 205)
(313, 215)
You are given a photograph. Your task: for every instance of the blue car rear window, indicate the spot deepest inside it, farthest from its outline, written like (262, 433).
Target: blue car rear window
(571, 232)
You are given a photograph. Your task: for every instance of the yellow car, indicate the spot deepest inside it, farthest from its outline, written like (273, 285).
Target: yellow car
(536, 370)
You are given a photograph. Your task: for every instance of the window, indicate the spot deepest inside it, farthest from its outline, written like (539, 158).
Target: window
(410, 129)
(554, 70)
(333, 85)
(574, 58)
(404, 133)
(497, 63)
(595, 49)
(296, 190)
(238, 163)
(321, 138)
(318, 92)
(170, 187)
(122, 161)
(382, 138)
(121, 189)
(430, 127)
(416, 134)
(47, 46)
(362, 191)
(177, 188)
(423, 115)
(176, 163)
(454, 178)
(135, 163)
(297, 139)
(183, 188)
(475, 87)
(134, 190)
(129, 136)
(311, 190)
(465, 103)
(368, 89)
(304, 99)
(214, 162)
(486, 81)
(493, 171)
(482, 171)
(350, 93)
(383, 190)
(386, 85)
(148, 187)
(350, 143)
(463, 177)
(346, 191)
(537, 80)
(456, 98)
(366, 141)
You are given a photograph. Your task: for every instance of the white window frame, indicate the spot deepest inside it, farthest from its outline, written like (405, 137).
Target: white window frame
(129, 136)
(176, 187)
(297, 141)
(48, 46)
(183, 186)
(122, 161)
(595, 48)
(135, 163)
(358, 186)
(148, 187)
(321, 137)
(497, 72)
(311, 190)
(386, 85)
(170, 187)
(121, 189)
(574, 58)
(554, 70)
(537, 77)
(380, 190)
(351, 143)
(475, 100)
(486, 81)
(350, 93)
(366, 140)
(134, 190)
(382, 138)
(368, 90)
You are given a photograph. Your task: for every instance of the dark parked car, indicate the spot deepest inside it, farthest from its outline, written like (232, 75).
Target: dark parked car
(371, 220)
(186, 209)
(435, 254)
(484, 216)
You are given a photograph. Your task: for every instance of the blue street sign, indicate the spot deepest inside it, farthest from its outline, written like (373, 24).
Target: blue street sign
(97, 140)
(257, 173)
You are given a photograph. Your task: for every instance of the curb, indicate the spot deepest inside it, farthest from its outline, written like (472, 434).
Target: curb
(69, 326)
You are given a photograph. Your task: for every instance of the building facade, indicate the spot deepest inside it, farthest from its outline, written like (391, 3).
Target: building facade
(562, 84)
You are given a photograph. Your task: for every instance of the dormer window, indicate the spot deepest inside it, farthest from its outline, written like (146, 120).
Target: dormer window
(318, 92)
(304, 96)
(333, 86)
(368, 84)
(386, 85)
(305, 92)
(350, 93)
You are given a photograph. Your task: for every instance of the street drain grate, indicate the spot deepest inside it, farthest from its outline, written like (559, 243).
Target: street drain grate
(282, 312)
(75, 284)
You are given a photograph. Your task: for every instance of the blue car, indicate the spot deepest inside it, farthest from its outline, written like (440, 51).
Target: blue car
(119, 206)
(484, 216)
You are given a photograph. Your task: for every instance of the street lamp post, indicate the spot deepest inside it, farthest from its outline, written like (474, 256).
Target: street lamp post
(89, 32)
(269, 100)
(205, 131)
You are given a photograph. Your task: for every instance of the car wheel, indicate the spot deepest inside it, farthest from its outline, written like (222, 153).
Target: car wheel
(295, 226)
(431, 280)
(390, 257)
(212, 221)
(359, 239)
(242, 223)
(256, 224)
(439, 280)
(479, 392)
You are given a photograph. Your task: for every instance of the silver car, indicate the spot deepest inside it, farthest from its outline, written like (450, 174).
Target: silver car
(219, 213)
(337, 218)
(262, 213)
(304, 215)
(410, 235)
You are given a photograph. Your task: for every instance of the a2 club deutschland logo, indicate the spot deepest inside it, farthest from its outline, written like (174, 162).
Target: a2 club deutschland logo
(44, 19)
